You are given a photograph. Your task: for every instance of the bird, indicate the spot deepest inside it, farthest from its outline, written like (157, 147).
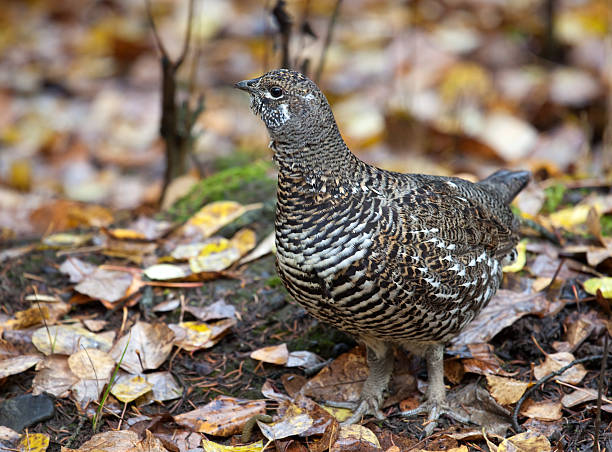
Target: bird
(393, 259)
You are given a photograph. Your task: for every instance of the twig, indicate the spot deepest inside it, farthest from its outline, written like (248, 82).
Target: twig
(540, 382)
(545, 233)
(328, 38)
(600, 393)
(283, 19)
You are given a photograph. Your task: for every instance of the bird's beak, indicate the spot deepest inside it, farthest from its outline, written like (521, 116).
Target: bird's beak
(247, 85)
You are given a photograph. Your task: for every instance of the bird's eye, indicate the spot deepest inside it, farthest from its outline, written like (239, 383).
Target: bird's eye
(276, 92)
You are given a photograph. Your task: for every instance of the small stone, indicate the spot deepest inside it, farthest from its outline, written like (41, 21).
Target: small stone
(26, 410)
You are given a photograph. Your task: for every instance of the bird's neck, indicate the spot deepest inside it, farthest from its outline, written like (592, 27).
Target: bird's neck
(322, 160)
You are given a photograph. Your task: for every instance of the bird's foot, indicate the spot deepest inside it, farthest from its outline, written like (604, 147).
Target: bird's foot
(366, 406)
(435, 409)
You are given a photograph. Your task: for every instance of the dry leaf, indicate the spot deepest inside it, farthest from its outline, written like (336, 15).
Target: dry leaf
(224, 416)
(210, 446)
(556, 361)
(543, 411)
(525, 442)
(275, 354)
(91, 364)
(101, 284)
(212, 217)
(68, 339)
(53, 375)
(127, 388)
(506, 390)
(355, 437)
(110, 441)
(18, 364)
(146, 347)
(293, 422)
(166, 272)
(33, 442)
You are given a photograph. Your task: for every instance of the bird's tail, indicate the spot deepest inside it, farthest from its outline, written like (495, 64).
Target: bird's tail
(507, 183)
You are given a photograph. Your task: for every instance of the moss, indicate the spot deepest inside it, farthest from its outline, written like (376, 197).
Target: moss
(245, 184)
(606, 225)
(273, 282)
(554, 197)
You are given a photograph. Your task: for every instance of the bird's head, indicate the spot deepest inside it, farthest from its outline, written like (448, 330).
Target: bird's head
(290, 104)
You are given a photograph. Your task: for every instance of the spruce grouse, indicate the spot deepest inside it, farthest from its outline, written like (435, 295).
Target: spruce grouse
(391, 258)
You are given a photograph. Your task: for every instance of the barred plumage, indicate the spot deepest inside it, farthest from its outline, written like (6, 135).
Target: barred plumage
(392, 258)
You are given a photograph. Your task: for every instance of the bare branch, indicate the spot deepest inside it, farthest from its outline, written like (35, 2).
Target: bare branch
(328, 38)
(181, 58)
(158, 41)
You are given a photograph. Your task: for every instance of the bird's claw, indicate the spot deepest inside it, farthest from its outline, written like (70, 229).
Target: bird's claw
(364, 407)
(434, 410)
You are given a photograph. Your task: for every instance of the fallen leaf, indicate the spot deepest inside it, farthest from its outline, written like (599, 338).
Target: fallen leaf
(275, 354)
(506, 390)
(544, 411)
(603, 284)
(210, 446)
(224, 416)
(293, 422)
(165, 387)
(503, 310)
(266, 246)
(18, 364)
(53, 376)
(127, 388)
(106, 285)
(33, 442)
(68, 339)
(556, 361)
(218, 310)
(91, 364)
(355, 437)
(165, 272)
(146, 347)
(521, 259)
(578, 397)
(212, 217)
(525, 442)
(110, 441)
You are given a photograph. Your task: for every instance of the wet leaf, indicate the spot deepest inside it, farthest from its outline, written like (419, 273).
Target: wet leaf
(506, 390)
(224, 416)
(275, 354)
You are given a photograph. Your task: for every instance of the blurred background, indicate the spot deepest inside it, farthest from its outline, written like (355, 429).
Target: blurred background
(436, 86)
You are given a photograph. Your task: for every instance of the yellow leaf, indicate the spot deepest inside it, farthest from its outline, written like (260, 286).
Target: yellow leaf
(20, 174)
(127, 234)
(521, 259)
(525, 442)
(34, 442)
(214, 216)
(130, 387)
(61, 240)
(210, 446)
(341, 414)
(572, 216)
(604, 284)
(353, 437)
(506, 390)
(244, 240)
(294, 422)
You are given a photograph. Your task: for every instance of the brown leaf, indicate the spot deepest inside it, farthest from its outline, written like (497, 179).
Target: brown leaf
(544, 411)
(104, 284)
(505, 308)
(275, 354)
(146, 347)
(224, 416)
(506, 390)
(355, 438)
(556, 361)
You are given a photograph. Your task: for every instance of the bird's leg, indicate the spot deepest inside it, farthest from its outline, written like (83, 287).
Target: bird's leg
(435, 404)
(380, 364)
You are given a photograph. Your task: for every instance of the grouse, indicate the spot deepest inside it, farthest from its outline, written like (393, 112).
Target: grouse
(391, 258)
